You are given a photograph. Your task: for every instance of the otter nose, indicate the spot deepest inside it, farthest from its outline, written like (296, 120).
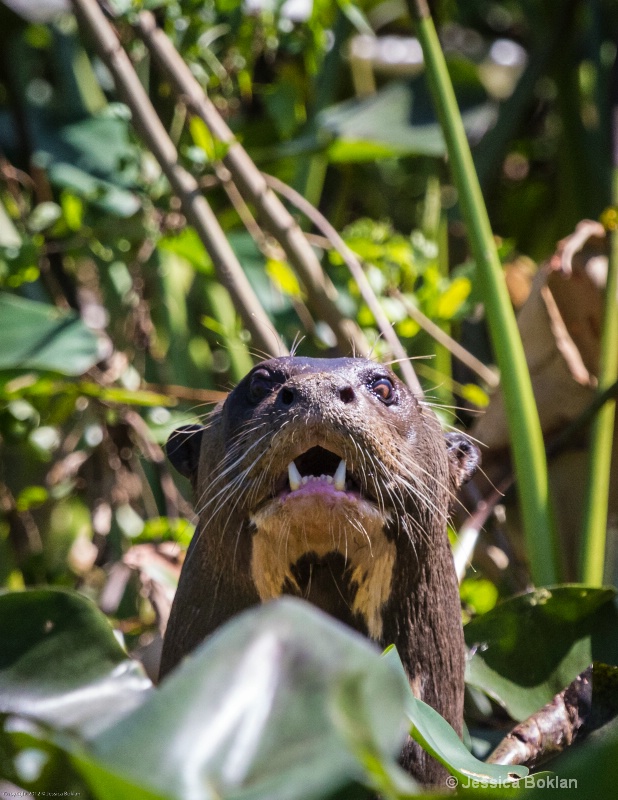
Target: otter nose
(288, 395)
(346, 393)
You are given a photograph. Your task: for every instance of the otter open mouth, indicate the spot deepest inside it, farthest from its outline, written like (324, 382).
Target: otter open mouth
(318, 470)
(320, 536)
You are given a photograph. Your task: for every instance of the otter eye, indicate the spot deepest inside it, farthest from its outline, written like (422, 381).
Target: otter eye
(384, 389)
(260, 385)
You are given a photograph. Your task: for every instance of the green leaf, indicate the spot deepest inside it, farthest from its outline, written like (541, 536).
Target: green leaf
(30, 760)
(408, 328)
(436, 736)
(479, 594)
(97, 145)
(31, 497)
(188, 244)
(257, 712)
(281, 703)
(61, 663)
(530, 647)
(9, 237)
(107, 783)
(37, 336)
(166, 529)
(131, 397)
(284, 278)
(102, 194)
(281, 101)
(253, 261)
(348, 151)
(72, 210)
(20, 264)
(202, 137)
(355, 129)
(474, 394)
(45, 763)
(44, 216)
(451, 300)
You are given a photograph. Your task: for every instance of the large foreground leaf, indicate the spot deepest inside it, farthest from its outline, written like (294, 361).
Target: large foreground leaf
(263, 710)
(529, 648)
(38, 336)
(283, 702)
(61, 663)
(437, 737)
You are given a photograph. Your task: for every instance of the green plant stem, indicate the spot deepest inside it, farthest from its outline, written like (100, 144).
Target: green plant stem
(526, 436)
(594, 530)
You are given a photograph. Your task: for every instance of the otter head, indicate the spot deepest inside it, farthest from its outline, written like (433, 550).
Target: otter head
(315, 476)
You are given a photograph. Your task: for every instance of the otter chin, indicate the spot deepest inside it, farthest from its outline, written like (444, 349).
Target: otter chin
(329, 480)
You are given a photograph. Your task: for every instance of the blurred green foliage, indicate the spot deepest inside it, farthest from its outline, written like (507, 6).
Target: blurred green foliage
(92, 239)
(113, 326)
(107, 296)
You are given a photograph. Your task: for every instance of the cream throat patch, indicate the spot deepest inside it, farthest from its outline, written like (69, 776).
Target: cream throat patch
(292, 527)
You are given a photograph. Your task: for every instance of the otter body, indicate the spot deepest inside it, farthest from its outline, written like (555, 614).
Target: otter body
(327, 479)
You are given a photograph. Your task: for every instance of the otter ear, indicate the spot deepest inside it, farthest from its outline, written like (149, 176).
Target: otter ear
(464, 457)
(183, 449)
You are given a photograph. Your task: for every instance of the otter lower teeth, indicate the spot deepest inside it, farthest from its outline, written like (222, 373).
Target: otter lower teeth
(297, 480)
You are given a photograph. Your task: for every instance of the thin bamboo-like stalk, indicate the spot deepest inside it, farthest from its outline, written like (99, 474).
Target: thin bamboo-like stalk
(594, 531)
(250, 181)
(526, 436)
(195, 207)
(334, 240)
(454, 348)
(356, 270)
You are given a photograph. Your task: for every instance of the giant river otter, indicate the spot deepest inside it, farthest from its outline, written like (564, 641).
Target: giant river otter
(329, 480)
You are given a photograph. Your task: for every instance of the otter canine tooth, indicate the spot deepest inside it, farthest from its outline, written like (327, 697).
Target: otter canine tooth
(339, 477)
(294, 476)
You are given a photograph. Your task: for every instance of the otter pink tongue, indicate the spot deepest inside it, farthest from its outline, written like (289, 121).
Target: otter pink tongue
(317, 483)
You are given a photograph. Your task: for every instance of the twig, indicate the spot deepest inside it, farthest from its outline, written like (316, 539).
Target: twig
(251, 183)
(551, 729)
(174, 501)
(356, 270)
(195, 207)
(203, 396)
(435, 331)
(584, 706)
(469, 532)
(24, 534)
(265, 244)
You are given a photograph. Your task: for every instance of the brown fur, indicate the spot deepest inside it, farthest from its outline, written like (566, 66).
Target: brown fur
(380, 562)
